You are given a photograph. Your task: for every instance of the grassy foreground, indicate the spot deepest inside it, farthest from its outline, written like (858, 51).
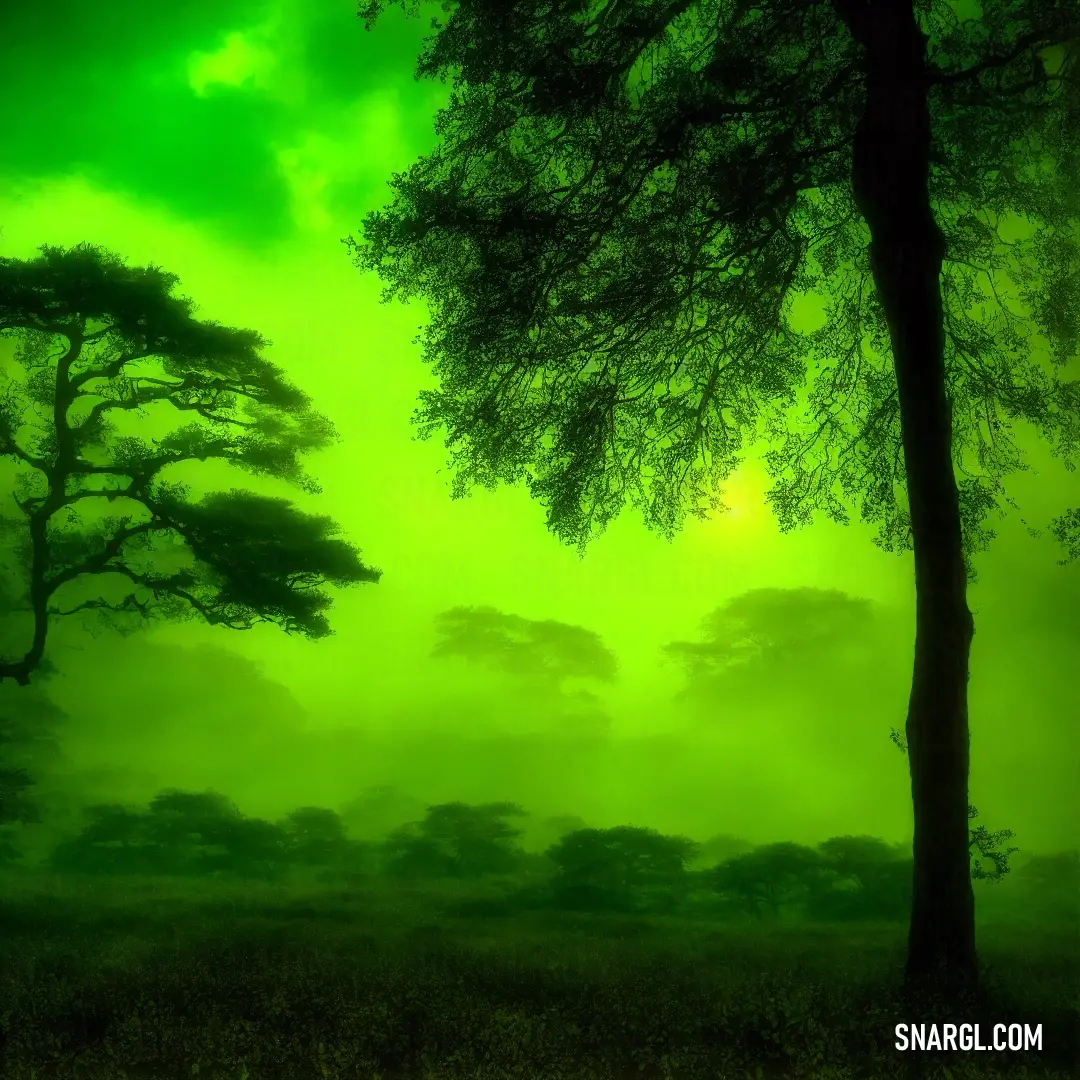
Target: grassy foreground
(103, 979)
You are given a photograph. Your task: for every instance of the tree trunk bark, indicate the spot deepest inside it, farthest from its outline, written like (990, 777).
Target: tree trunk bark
(890, 184)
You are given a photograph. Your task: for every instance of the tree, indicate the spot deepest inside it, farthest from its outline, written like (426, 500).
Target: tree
(543, 654)
(769, 878)
(866, 879)
(626, 200)
(457, 840)
(768, 650)
(184, 833)
(28, 726)
(115, 839)
(101, 526)
(542, 649)
(624, 868)
(1051, 886)
(316, 837)
(15, 806)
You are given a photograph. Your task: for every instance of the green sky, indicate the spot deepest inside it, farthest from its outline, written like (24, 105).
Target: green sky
(234, 143)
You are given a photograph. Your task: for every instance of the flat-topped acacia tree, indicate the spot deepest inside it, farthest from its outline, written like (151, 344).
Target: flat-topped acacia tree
(627, 196)
(99, 527)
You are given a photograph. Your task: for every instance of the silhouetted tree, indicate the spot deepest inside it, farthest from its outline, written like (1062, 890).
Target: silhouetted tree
(769, 878)
(624, 203)
(16, 806)
(115, 839)
(543, 654)
(827, 649)
(1051, 885)
(456, 840)
(543, 651)
(767, 629)
(316, 837)
(28, 728)
(865, 878)
(101, 527)
(185, 833)
(201, 832)
(624, 868)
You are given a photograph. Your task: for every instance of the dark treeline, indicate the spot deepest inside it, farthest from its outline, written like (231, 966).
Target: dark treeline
(623, 869)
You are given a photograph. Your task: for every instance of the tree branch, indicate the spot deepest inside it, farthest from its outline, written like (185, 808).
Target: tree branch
(99, 563)
(1028, 43)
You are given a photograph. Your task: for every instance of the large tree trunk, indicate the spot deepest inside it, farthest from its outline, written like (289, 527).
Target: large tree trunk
(890, 182)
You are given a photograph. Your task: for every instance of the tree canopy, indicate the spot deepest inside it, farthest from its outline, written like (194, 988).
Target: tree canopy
(544, 649)
(103, 353)
(625, 203)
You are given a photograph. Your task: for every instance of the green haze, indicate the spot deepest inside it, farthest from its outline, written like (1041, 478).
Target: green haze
(235, 143)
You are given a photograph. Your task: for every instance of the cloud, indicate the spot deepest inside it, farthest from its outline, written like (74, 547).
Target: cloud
(241, 61)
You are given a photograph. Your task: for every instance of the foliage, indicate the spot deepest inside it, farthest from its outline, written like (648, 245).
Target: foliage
(1050, 884)
(624, 868)
(28, 744)
(765, 630)
(105, 357)
(866, 879)
(626, 200)
(546, 649)
(456, 840)
(315, 836)
(15, 804)
(769, 878)
(194, 834)
(987, 844)
(15, 807)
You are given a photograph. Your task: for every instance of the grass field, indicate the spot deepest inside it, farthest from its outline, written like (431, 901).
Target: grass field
(110, 978)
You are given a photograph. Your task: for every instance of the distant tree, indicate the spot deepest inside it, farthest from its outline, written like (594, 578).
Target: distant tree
(620, 869)
(769, 878)
(377, 810)
(114, 840)
(1051, 885)
(249, 847)
(15, 801)
(203, 832)
(28, 728)
(30, 723)
(316, 837)
(543, 655)
(16, 807)
(101, 527)
(866, 878)
(183, 833)
(457, 840)
(624, 204)
(767, 629)
(541, 649)
(772, 640)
